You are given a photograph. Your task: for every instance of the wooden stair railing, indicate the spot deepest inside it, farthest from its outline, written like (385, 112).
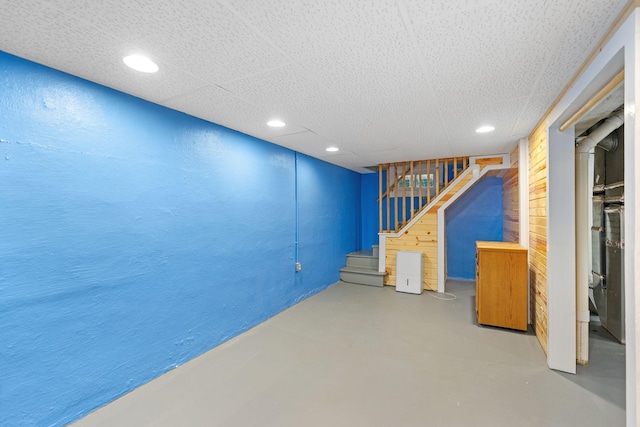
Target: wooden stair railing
(415, 184)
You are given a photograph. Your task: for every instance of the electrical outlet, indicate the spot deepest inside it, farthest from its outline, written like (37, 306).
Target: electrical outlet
(298, 266)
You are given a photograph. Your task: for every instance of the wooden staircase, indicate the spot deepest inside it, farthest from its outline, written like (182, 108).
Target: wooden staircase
(420, 209)
(406, 188)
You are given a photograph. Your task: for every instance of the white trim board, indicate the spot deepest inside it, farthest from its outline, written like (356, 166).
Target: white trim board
(477, 176)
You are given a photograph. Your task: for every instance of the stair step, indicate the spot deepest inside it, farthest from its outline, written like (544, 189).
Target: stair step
(362, 276)
(376, 251)
(363, 259)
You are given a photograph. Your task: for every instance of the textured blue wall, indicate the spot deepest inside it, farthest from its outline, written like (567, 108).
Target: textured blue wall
(370, 210)
(135, 238)
(477, 215)
(329, 204)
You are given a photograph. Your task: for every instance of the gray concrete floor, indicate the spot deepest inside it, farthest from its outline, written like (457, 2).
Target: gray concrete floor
(362, 356)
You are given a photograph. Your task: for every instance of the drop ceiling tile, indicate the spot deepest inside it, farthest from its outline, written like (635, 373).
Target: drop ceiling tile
(403, 154)
(66, 44)
(360, 54)
(462, 122)
(310, 28)
(287, 87)
(411, 122)
(221, 107)
(307, 143)
(201, 37)
(539, 55)
(347, 161)
(532, 111)
(497, 56)
(314, 145)
(377, 72)
(401, 77)
(338, 96)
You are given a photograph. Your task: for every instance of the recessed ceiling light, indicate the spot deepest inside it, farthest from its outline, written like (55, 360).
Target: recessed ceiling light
(485, 129)
(332, 149)
(276, 123)
(140, 63)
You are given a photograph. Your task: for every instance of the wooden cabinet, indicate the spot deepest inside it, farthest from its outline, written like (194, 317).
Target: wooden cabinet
(501, 284)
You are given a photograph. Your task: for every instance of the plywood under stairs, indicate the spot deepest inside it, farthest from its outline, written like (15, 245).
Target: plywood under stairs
(362, 268)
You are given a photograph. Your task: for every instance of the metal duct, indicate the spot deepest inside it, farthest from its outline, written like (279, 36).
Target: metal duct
(612, 123)
(610, 142)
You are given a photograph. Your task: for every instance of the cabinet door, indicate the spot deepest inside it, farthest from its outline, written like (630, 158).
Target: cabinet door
(477, 280)
(501, 289)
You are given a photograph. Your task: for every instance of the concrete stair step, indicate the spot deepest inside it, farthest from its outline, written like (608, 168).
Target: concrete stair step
(363, 259)
(362, 276)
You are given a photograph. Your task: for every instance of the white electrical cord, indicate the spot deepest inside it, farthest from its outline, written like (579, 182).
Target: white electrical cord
(451, 296)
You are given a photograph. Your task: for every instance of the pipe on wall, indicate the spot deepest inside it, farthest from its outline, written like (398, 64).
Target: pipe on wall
(583, 188)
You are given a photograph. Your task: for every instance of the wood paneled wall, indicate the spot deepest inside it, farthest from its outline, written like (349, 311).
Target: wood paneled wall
(422, 237)
(511, 201)
(538, 231)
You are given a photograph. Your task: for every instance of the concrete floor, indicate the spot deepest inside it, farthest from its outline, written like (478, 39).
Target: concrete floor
(362, 356)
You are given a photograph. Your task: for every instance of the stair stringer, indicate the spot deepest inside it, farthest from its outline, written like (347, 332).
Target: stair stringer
(477, 176)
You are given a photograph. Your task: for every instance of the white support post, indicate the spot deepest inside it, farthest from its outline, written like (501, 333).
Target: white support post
(382, 251)
(561, 252)
(523, 199)
(583, 189)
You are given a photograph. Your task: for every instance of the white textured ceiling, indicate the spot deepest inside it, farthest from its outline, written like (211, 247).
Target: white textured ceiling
(384, 80)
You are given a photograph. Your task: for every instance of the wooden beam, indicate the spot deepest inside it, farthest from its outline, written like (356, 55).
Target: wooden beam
(404, 196)
(388, 224)
(412, 180)
(393, 184)
(446, 173)
(437, 177)
(396, 193)
(429, 181)
(421, 189)
(455, 167)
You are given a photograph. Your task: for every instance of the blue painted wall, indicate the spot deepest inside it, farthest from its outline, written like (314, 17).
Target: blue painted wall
(329, 206)
(477, 215)
(370, 210)
(135, 238)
